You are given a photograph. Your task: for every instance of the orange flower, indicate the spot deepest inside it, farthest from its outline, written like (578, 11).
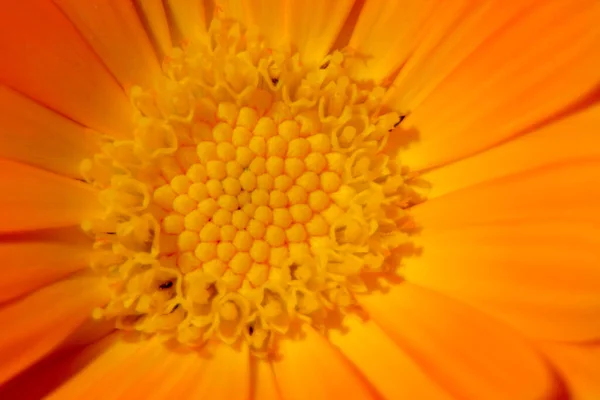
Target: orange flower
(300, 200)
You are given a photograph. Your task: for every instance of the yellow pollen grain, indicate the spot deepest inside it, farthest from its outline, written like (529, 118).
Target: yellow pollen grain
(317, 226)
(231, 186)
(231, 282)
(243, 240)
(244, 198)
(164, 197)
(247, 118)
(296, 233)
(207, 151)
(309, 181)
(277, 147)
(260, 197)
(227, 112)
(283, 183)
(173, 224)
(228, 202)
(222, 217)
(298, 148)
(282, 217)
(301, 213)
(241, 136)
(241, 262)
(330, 182)
(315, 162)
(258, 146)
(265, 182)
(260, 251)
(215, 268)
(187, 240)
(208, 207)
(278, 256)
(244, 156)
(210, 232)
(197, 173)
(320, 143)
(214, 188)
(264, 214)
(335, 162)
(275, 236)
(278, 199)
(226, 152)
(225, 251)
(227, 233)
(215, 169)
(187, 262)
(257, 166)
(318, 200)
(265, 127)
(240, 219)
(248, 181)
(275, 166)
(258, 273)
(184, 204)
(206, 252)
(198, 191)
(234, 169)
(249, 209)
(297, 195)
(222, 132)
(256, 229)
(289, 130)
(181, 184)
(195, 220)
(294, 167)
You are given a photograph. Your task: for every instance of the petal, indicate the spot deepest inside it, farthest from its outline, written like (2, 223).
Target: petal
(573, 138)
(36, 324)
(35, 135)
(578, 367)
(542, 278)
(34, 199)
(52, 64)
(386, 366)
(35, 259)
(150, 369)
(154, 19)
(532, 68)
(466, 352)
(311, 27)
(310, 368)
(188, 17)
(53, 371)
(264, 382)
(116, 34)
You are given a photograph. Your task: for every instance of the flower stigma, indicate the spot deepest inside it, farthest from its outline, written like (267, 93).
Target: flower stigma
(256, 193)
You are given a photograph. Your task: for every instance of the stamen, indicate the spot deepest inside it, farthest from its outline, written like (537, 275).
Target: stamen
(255, 192)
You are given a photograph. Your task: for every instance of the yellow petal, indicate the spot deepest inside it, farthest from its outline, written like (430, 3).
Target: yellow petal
(264, 383)
(116, 34)
(310, 368)
(385, 365)
(34, 199)
(188, 17)
(534, 67)
(573, 138)
(577, 367)
(35, 259)
(36, 324)
(47, 60)
(463, 350)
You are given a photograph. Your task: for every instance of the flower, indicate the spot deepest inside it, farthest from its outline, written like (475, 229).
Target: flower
(299, 199)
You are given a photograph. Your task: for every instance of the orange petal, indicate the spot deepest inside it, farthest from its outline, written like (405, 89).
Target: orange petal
(35, 135)
(264, 382)
(530, 69)
(36, 324)
(470, 355)
(310, 368)
(561, 192)
(542, 278)
(387, 367)
(47, 60)
(387, 32)
(573, 138)
(151, 369)
(35, 259)
(34, 199)
(154, 18)
(116, 34)
(311, 27)
(188, 17)
(578, 366)
(45, 376)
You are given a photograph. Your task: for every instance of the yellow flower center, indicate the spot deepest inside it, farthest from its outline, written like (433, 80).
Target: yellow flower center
(256, 193)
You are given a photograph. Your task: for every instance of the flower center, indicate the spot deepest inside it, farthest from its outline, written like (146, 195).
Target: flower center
(256, 192)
